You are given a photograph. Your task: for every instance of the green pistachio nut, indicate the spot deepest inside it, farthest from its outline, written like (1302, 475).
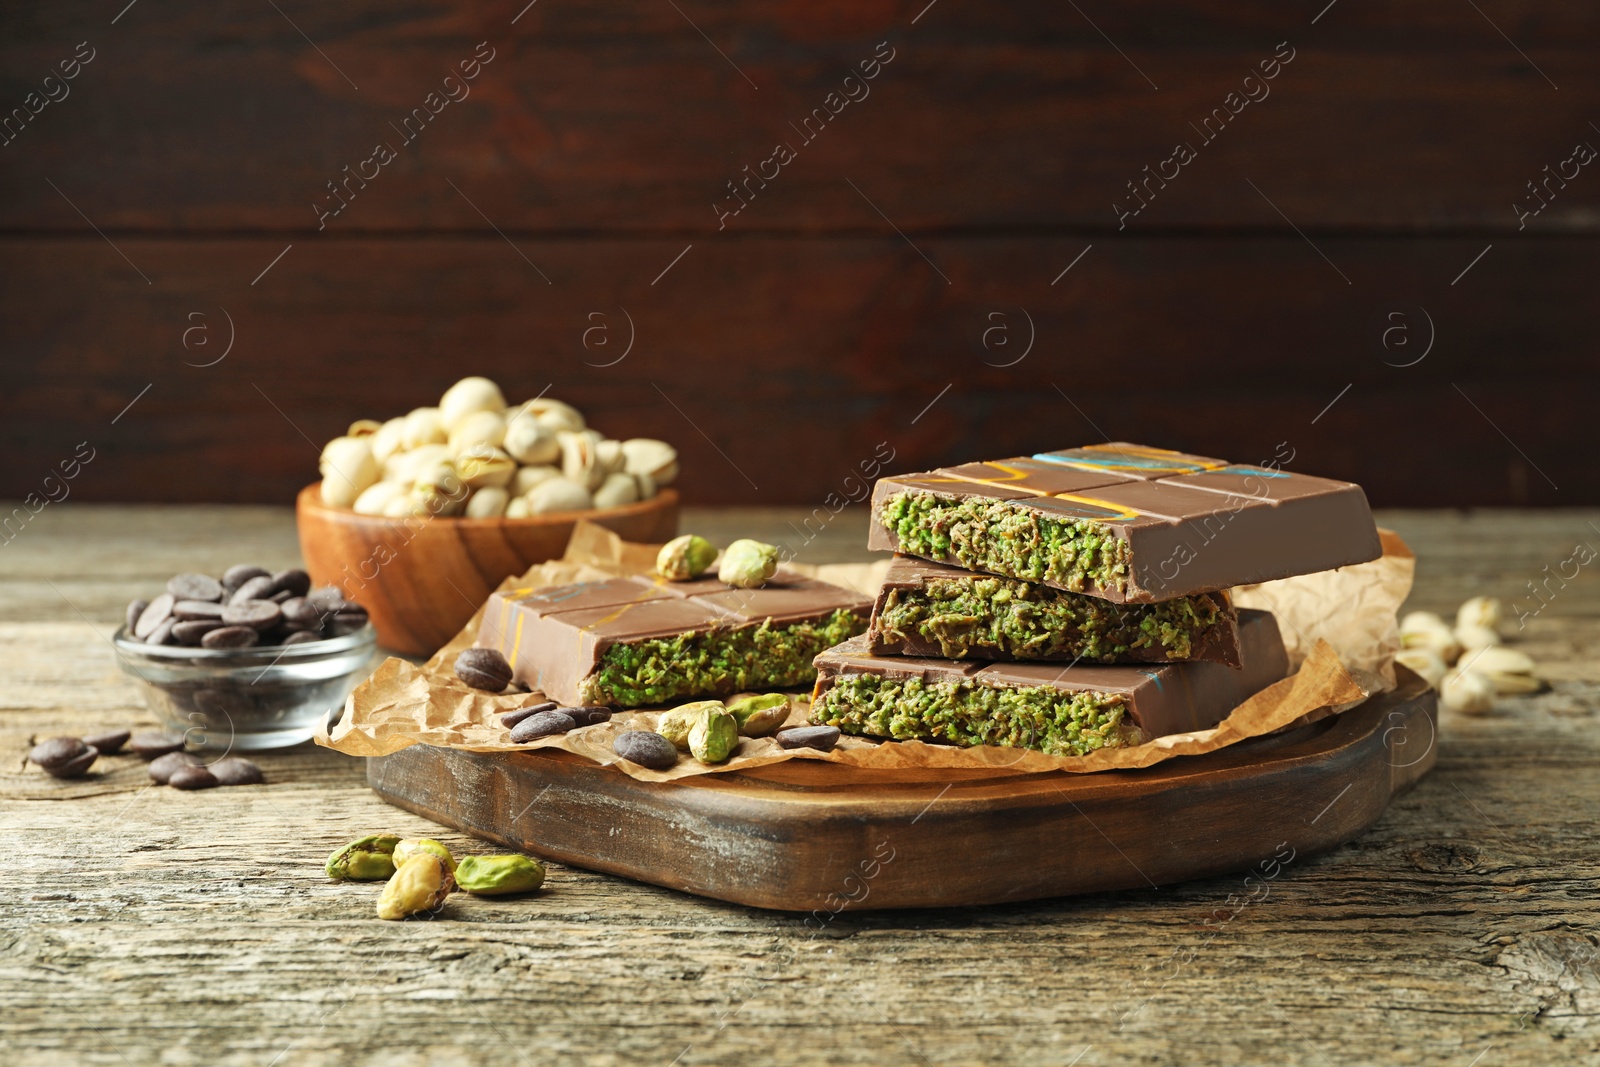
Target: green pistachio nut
(760, 716)
(714, 737)
(416, 846)
(685, 557)
(489, 876)
(676, 724)
(370, 859)
(748, 564)
(421, 883)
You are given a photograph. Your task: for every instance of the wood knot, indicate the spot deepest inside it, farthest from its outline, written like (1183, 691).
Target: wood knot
(1444, 858)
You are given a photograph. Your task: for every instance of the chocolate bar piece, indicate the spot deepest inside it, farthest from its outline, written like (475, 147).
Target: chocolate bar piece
(929, 609)
(640, 641)
(1128, 523)
(1061, 710)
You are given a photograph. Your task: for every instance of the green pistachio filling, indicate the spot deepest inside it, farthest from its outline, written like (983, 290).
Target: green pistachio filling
(1003, 538)
(659, 669)
(1020, 620)
(1036, 717)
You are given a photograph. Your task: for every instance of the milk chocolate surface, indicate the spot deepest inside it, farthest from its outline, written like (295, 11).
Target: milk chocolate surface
(695, 638)
(1124, 522)
(931, 609)
(1156, 700)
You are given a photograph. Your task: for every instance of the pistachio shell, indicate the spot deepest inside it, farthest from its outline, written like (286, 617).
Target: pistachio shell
(518, 508)
(347, 469)
(558, 494)
(477, 432)
(528, 477)
(375, 498)
(555, 415)
(1425, 661)
(490, 468)
(529, 442)
(618, 489)
(363, 428)
(1475, 637)
(684, 557)
(747, 564)
(488, 503)
(467, 397)
(1467, 691)
(646, 455)
(579, 461)
(1480, 611)
(1500, 659)
(387, 441)
(423, 427)
(404, 466)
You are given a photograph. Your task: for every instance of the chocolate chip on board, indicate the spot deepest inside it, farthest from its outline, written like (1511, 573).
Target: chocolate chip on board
(109, 742)
(155, 613)
(195, 587)
(239, 573)
(63, 757)
(645, 748)
(821, 738)
(149, 745)
(162, 767)
(231, 637)
(589, 714)
(192, 778)
(511, 718)
(541, 724)
(482, 668)
(235, 770)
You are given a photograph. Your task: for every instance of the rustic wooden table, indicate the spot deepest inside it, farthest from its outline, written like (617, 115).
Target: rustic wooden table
(144, 925)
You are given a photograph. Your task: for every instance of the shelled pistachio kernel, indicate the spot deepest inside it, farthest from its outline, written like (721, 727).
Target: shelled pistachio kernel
(759, 716)
(496, 875)
(747, 564)
(367, 859)
(675, 725)
(412, 847)
(685, 557)
(714, 737)
(420, 884)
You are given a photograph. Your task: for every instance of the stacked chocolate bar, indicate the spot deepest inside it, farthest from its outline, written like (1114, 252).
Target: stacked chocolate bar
(1076, 600)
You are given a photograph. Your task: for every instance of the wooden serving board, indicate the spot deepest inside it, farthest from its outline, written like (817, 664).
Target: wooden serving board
(808, 835)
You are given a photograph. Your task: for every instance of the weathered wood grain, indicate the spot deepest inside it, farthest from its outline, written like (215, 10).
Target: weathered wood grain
(145, 925)
(754, 354)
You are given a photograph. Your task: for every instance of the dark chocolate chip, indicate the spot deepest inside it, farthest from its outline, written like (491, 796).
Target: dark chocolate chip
(155, 613)
(588, 715)
(230, 637)
(236, 771)
(109, 742)
(821, 738)
(190, 610)
(147, 746)
(301, 614)
(280, 596)
(301, 637)
(296, 581)
(239, 573)
(192, 632)
(195, 587)
(258, 588)
(135, 609)
(328, 598)
(192, 778)
(347, 622)
(162, 767)
(645, 748)
(256, 614)
(482, 668)
(541, 724)
(163, 634)
(57, 752)
(511, 718)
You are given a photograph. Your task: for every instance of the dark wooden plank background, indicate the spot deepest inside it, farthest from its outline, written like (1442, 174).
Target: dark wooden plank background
(782, 349)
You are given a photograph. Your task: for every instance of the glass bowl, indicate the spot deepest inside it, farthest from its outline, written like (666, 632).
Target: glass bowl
(247, 698)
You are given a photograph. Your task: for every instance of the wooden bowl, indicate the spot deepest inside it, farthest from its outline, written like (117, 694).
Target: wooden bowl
(421, 579)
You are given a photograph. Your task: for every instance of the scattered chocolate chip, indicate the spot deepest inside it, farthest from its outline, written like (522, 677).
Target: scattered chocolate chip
(234, 770)
(258, 588)
(109, 743)
(191, 633)
(482, 668)
(195, 587)
(190, 610)
(135, 609)
(256, 614)
(162, 767)
(147, 746)
(511, 718)
(192, 778)
(821, 738)
(230, 637)
(154, 614)
(62, 757)
(541, 724)
(645, 748)
(589, 714)
(296, 581)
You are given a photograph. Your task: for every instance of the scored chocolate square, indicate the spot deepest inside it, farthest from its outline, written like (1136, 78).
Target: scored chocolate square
(1067, 710)
(1127, 523)
(635, 641)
